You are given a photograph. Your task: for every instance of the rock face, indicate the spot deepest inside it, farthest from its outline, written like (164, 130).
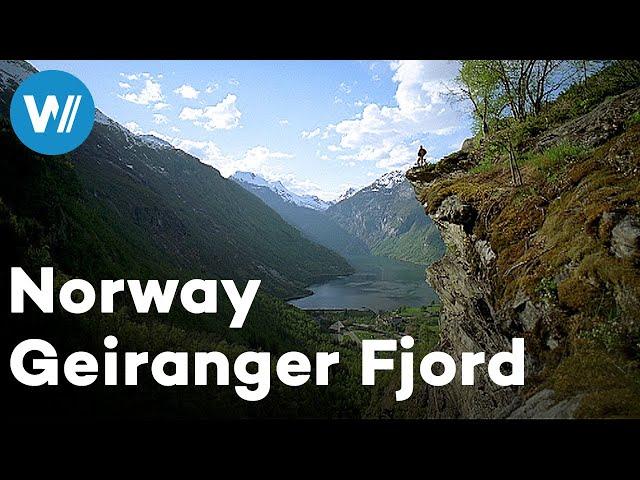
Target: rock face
(528, 262)
(625, 238)
(468, 320)
(543, 405)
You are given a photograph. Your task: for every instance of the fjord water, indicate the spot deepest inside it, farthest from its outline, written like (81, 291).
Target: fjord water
(379, 283)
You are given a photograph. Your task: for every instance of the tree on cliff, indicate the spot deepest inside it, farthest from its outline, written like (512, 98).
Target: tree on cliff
(529, 84)
(516, 87)
(479, 84)
(504, 93)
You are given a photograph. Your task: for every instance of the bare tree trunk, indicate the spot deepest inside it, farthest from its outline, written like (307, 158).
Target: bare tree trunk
(516, 177)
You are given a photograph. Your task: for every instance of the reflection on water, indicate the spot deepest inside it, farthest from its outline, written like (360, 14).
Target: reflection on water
(378, 284)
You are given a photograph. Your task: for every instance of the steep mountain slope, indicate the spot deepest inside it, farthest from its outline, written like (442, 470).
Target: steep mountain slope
(47, 219)
(555, 261)
(123, 214)
(387, 218)
(202, 221)
(313, 223)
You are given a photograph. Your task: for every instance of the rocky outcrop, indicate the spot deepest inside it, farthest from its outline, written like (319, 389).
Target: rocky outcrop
(468, 321)
(544, 405)
(597, 126)
(625, 238)
(528, 262)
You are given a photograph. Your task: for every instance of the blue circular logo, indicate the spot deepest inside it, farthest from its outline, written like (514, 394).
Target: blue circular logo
(52, 112)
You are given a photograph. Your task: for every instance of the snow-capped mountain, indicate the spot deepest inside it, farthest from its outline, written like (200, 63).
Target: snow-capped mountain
(307, 201)
(14, 72)
(148, 139)
(387, 218)
(349, 193)
(386, 181)
(154, 141)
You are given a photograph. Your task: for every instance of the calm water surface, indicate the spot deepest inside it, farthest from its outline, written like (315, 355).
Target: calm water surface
(379, 284)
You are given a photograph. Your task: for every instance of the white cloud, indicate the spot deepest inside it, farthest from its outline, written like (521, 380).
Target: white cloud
(212, 87)
(304, 186)
(133, 127)
(234, 82)
(130, 76)
(311, 134)
(175, 129)
(159, 135)
(284, 122)
(187, 91)
(329, 129)
(258, 159)
(124, 85)
(150, 93)
(385, 134)
(159, 119)
(345, 88)
(208, 152)
(161, 106)
(333, 148)
(224, 115)
(255, 159)
(375, 77)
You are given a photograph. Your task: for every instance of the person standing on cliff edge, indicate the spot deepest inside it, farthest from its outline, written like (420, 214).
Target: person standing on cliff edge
(421, 153)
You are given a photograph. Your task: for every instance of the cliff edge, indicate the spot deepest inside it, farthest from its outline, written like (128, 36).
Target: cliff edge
(555, 261)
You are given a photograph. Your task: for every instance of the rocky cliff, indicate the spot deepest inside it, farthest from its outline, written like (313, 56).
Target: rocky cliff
(555, 261)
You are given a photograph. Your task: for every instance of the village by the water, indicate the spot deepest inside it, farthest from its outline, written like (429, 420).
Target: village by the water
(349, 326)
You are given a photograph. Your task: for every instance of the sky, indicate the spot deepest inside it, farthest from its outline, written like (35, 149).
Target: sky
(320, 127)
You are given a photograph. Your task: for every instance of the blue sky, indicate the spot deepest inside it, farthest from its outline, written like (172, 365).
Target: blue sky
(318, 126)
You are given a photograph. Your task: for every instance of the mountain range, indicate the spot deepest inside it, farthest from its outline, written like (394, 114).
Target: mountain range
(388, 219)
(129, 206)
(312, 222)
(204, 222)
(194, 218)
(381, 219)
(306, 201)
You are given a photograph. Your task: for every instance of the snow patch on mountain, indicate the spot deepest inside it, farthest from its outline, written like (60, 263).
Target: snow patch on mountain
(104, 120)
(155, 142)
(14, 71)
(386, 181)
(307, 201)
(148, 139)
(348, 194)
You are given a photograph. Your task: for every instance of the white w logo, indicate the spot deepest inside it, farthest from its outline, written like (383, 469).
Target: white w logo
(39, 120)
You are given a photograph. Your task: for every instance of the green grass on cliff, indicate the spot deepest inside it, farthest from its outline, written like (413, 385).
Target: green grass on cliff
(553, 238)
